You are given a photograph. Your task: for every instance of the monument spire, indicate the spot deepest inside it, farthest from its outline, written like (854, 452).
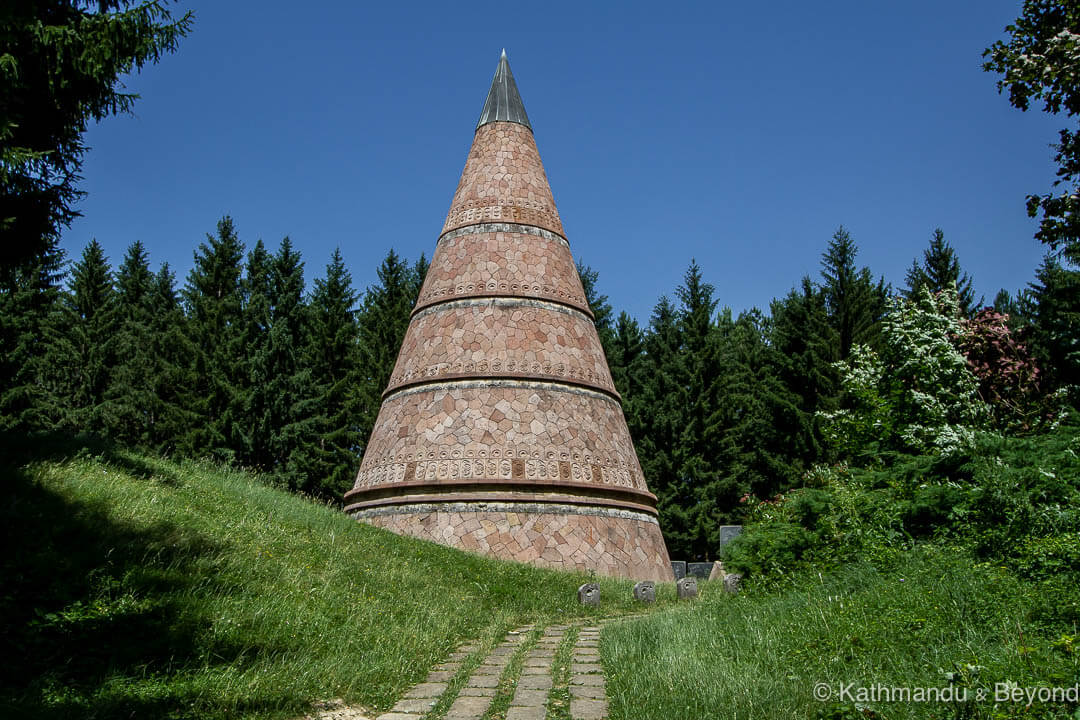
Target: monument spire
(503, 102)
(501, 431)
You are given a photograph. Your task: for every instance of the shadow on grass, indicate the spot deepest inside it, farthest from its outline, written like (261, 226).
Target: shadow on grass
(96, 616)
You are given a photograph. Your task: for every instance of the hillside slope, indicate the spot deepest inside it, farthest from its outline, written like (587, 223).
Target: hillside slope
(140, 587)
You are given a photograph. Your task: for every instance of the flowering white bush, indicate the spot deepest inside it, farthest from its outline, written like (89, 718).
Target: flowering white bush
(919, 395)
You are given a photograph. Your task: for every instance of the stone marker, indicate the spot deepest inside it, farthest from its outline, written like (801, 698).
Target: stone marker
(686, 588)
(645, 591)
(700, 570)
(717, 571)
(679, 568)
(589, 594)
(729, 533)
(731, 582)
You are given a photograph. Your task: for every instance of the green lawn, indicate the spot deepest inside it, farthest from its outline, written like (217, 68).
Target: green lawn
(139, 587)
(933, 620)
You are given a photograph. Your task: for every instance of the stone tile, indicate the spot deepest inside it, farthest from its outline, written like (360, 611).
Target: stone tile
(414, 705)
(489, 681)
(440, 676)
(468, 707)
(449, 667)
(538, 670)
(537, 662)
(535, 712)
(584, 709)
(400, 716)
(477, 692)
(594, 692)
(583, 668)
(487, 669)
(542, 652)
(594, 680)
(529, 697)
(535, 682)
(427, 690)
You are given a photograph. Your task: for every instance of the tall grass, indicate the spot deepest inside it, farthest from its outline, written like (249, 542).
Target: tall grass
(139, 587)
(933, 620)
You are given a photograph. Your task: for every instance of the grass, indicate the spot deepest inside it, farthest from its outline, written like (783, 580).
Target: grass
(933, 619)
(140, 587)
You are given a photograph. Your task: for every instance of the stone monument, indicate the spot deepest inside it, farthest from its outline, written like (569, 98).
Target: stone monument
(500, 431)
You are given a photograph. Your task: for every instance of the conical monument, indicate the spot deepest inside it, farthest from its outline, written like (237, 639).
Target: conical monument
(501, 431)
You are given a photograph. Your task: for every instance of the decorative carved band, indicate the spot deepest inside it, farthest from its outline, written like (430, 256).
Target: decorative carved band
(547, 468)
(473, 213)
(490, 507)
(508, 370)
(507, 301)
(563, 295)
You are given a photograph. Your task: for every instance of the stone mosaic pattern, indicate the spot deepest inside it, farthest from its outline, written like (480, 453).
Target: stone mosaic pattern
(515, 260)
(503, 181)
(608, 545)
(506, 430)
(508, 337)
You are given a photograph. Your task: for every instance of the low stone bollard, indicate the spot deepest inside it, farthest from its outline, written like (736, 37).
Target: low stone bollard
(731, 582)
(645, 591)
(589, 594)
(686, 588)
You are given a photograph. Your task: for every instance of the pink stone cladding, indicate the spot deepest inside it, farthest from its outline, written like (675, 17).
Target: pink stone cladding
(620, 547)
(502, 337)
(503, 181)
(502, 263)
(502, 394)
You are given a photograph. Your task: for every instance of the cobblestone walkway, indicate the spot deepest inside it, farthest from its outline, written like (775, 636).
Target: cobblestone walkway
(514, 681)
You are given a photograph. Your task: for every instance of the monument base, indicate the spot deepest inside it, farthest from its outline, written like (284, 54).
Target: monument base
(607, 541)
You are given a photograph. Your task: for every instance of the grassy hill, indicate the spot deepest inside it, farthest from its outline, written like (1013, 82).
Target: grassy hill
(140, 587)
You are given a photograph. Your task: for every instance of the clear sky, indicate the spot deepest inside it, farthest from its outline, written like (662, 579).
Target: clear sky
(740, 134)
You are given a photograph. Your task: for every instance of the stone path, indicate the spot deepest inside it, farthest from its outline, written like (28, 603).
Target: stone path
(519, 669)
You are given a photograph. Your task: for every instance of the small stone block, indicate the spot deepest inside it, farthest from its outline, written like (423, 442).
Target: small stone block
(581, 668)
(536, 712)
(468, 706)
(440, 676)
(477, 692)
(400, 716)
(484, 681)
(413, 705)
(535, 670)
(584, 709)
(589, 594)
(537, 662)
(529, 697)
(594, 680)
(686, 588)
(427, 690)
(717, 571)
(594, 692)
(731, 582)
(535, 682)
(679, 568)
(645, 591)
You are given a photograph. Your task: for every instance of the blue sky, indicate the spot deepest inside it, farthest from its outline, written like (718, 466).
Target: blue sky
(739, 134)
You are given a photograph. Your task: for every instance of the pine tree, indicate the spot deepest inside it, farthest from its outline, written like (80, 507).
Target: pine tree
(82, 349)
(624, 358)
(133, 379)
(655, 419)
(1055, 334)
(254, 427)
(940, 269)
(169, 417)
(334, 356)
(292, 392)
(383, 320)
(854, 302)
(29, 298)
(805, 347)
(601, 308)
(214, 307)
